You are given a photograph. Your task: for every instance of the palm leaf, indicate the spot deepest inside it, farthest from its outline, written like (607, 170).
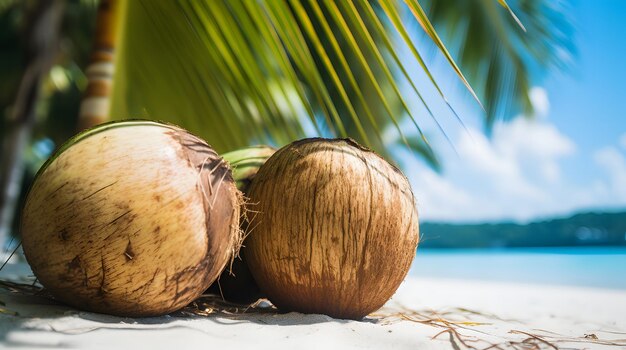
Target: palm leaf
(419, 13)
(503, 46)
(504, 4)
(245, 72)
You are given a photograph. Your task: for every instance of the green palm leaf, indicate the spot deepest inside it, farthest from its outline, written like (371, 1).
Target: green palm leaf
(242, 72)
(503, 46)
(245, 72)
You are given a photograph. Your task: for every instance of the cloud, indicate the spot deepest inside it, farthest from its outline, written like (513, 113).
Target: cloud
(614, 164)
(480, 156)
(442, 197)
(523, 136)
(506, 177)
(521, 172)
(515, 174)
(524, 140)
(539, 99)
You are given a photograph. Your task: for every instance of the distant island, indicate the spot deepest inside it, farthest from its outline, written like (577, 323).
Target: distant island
(584, 229)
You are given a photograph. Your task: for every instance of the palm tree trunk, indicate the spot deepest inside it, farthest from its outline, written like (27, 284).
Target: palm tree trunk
(42, 38)
(96, 104)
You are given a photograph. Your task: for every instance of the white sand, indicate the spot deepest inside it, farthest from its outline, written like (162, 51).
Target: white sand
(487, 313)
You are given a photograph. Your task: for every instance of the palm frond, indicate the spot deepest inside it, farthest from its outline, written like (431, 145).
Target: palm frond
(245, 72)
(504, 4)
(504, 46)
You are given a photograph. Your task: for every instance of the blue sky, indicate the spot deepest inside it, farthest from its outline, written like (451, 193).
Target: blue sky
(571, 157)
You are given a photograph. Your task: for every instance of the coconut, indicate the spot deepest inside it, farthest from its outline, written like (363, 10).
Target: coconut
(337, 228)
(133, 218)
(236, 284)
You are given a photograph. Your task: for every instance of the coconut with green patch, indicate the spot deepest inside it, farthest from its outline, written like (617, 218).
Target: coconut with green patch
(133, 218)
(336, 230)
(236, 283)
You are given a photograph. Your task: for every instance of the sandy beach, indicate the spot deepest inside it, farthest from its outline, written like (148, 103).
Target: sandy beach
(424, 314)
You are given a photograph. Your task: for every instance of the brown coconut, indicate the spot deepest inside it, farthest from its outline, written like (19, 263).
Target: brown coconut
(133, 218)
(337, 228)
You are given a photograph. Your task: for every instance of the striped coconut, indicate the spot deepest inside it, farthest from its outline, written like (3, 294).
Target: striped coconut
(336, 230)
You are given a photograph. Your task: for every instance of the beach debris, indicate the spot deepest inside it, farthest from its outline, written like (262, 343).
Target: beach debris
(471, 329)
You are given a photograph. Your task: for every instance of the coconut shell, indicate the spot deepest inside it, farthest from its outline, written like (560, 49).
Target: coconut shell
(236, 283)
(133, 218)
(336, 230)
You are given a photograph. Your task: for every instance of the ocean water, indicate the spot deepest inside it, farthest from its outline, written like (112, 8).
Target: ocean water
(603, 267)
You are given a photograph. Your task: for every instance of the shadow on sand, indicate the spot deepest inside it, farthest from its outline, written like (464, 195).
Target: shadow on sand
(26, 312)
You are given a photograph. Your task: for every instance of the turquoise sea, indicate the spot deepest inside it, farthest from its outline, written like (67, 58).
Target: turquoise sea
(603, 267)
